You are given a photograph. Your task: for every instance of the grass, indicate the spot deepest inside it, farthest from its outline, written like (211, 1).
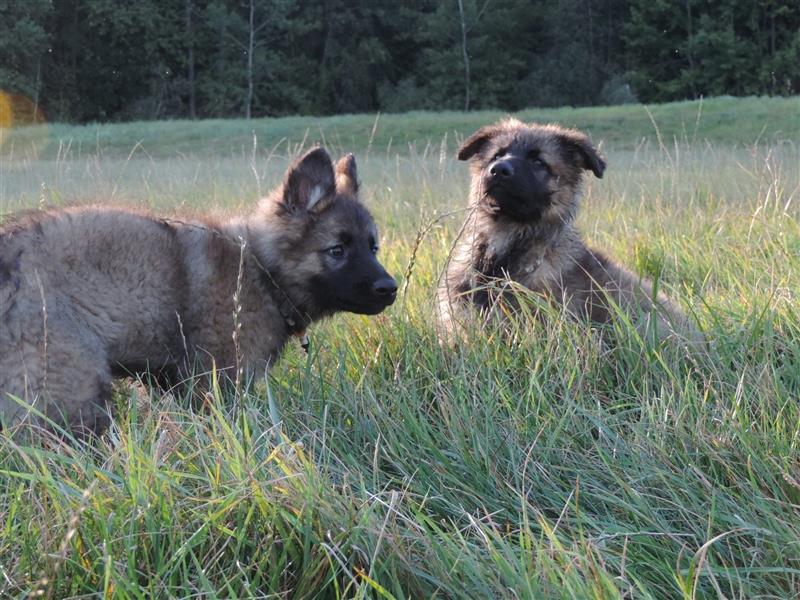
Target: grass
(550, 465)
(727, 120)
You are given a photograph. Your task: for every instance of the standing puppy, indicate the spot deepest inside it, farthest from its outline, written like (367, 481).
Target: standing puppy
(524, 196)
(90, 293)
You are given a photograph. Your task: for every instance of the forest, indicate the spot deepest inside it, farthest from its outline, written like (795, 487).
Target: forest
(116, 60)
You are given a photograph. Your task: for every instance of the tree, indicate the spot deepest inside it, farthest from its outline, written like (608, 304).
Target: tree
(578, 55)
(254, 30)
(361, 53)
(115, 59)
(190, 58)
(23, 44)
(464, 51)
(713, 47)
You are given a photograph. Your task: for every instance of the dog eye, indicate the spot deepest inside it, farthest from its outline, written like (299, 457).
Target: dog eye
(336, 251)
(375, 249)
(535, 160)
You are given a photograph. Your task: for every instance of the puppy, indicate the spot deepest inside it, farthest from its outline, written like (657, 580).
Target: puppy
(524, 196)
(92, 293)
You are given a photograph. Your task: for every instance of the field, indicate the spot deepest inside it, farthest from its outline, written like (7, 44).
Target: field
(550, 465)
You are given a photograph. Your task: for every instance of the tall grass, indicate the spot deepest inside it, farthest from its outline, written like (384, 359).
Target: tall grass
(550, 462)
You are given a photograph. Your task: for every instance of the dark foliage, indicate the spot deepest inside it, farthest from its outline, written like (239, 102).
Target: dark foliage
(97, 60)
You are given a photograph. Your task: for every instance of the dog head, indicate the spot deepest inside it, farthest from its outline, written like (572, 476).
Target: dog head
(529, 173)
(321, 242)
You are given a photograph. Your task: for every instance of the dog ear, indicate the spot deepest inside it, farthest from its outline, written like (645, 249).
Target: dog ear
(475, 143)
(309, 183)
(346, 175)
(581, 151)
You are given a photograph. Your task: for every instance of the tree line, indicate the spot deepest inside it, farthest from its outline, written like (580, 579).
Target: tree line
(98, 60)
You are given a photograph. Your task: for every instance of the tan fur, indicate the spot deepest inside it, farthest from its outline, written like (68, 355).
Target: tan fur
(87, 293)
(548, 255)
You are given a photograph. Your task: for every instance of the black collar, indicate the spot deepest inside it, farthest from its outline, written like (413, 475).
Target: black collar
(296, 321)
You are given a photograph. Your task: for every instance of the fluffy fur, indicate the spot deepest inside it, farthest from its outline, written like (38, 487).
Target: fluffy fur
(524, 196)
(90, 293)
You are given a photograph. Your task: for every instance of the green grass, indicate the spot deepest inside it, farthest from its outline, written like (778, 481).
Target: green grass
(548, 464)
(727, 120)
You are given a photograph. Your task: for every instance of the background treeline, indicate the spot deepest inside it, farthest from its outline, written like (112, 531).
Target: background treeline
(85, 60)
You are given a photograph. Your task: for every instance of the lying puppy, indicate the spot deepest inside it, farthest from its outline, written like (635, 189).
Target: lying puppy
(524, 196)
(90, 293)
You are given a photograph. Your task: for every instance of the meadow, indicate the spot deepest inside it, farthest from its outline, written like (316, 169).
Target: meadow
(551, 463)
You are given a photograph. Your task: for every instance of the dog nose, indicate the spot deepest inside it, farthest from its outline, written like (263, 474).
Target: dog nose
(502, 168)
(386, 287)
